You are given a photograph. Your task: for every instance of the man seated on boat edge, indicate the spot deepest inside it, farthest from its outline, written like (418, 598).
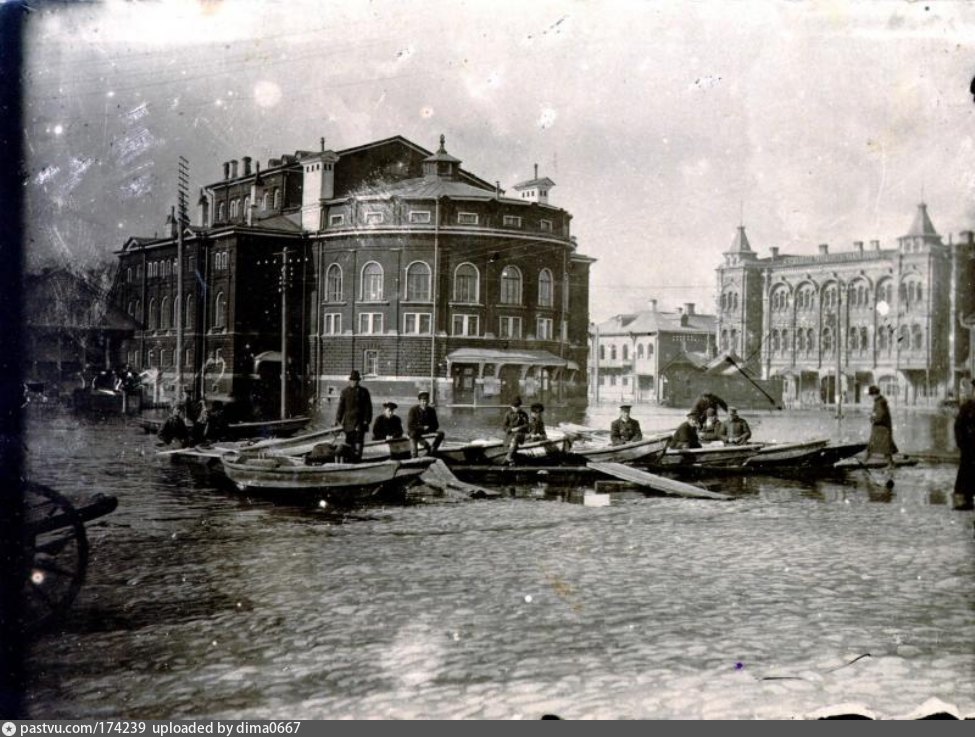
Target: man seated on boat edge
(536, 425)
(685, 437)
(625, 429)
(388, 425)
(736, 429)
(174, 428)
(712, 428)
(422, 420)
(515, 425)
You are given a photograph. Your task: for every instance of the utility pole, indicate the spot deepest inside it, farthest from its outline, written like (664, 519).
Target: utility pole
(433, 293)
(183, 180)
(284, 333)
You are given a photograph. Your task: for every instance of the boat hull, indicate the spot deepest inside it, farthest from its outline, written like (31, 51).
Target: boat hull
(288, 476)
(785, 454)
(727, 456)
(646, 451)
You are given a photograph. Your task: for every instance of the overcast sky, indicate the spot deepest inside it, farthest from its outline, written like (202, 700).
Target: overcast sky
(662, 123)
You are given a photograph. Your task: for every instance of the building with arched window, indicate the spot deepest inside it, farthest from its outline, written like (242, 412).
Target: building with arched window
(401, 264)
(886, 316)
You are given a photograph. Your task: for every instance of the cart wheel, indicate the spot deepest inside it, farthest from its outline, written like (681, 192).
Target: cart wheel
(57, 556)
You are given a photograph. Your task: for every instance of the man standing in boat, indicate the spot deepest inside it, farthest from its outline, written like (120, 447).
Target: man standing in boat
(881, 429)
(354, 414)
(712, 428)
(625, 429)
(422, 420)
(686, 434)
(515, 426)
(736, 429)
(388, 426)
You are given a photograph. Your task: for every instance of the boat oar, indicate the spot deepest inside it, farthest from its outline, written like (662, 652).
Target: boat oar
(768, 396)
(888, 484)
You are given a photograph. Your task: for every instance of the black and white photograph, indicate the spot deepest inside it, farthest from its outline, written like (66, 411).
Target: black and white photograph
(488, 360)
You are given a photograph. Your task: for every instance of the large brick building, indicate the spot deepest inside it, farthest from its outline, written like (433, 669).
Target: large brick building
(394, 261)
(885, 316)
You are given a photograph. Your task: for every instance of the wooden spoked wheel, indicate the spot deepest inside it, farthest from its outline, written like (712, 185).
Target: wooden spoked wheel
(56, 556)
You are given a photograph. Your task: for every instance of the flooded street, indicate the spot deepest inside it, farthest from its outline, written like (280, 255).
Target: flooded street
(797, 595)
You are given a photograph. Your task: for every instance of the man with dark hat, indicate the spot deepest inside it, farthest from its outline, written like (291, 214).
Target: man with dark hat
(515, 426)
(881, 440)
(736, 429)
(422, 420)
(354, 414)
(625, 429)
(686, 434)
(388, 425)
(536, 425)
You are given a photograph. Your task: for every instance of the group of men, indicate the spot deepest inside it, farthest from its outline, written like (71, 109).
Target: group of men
(701, 424)
(354, 415)
(207, 424)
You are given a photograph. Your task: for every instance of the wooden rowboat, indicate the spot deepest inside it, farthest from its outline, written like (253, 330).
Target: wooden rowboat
(785, 454)
(240, 430)
(717, 456)
(643, 452)
(287, 476)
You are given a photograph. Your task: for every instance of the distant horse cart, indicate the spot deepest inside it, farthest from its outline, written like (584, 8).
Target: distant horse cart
(56, 551)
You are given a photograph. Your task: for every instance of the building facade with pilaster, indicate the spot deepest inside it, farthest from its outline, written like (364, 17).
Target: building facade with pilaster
(886, 316)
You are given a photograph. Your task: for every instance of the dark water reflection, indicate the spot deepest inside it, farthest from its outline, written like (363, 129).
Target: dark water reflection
(552, 599)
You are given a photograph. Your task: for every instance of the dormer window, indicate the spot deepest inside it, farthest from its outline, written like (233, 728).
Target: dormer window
(419, 216)
(335, 220)
(545, 226)
(374, 218)
(467, 218)
(512, 221)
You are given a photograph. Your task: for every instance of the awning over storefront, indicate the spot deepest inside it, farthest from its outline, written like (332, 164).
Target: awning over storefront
(520, 358)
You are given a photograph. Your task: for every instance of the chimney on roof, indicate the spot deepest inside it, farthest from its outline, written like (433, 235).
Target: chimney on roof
(824, 249)
(875, 245)
(497, 188)
(233, 168)
(689, 308)
(775, 251)
(858, 246)
(226, 170)
(247, 166)
(653, 305)
(536, 171)
(322, 140)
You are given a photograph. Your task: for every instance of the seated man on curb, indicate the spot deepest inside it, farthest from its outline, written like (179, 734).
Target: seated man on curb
(736, 430)
(388, 425)
(625, 429)
(686, 435)
(422, 420)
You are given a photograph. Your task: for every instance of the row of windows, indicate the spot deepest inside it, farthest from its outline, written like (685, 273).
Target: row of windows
(239, 208)
(625, 352)
(419, 323)
(610, 380)
(466, 286)
(858, 340)
(165, 358)
(910, 293)
(167, 267)
(378, 217)
(162, 315)
(729, 301)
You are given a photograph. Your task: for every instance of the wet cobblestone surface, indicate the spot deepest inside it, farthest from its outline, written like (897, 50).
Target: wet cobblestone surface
(792, 597)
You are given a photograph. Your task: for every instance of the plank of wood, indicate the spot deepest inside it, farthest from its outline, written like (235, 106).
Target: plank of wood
(655, 482)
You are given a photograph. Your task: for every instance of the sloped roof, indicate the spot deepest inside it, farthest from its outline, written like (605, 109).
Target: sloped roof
(424, 188)
(740, 243)
(656, 322)
(922, 225)
(491, 355)
(541, 182)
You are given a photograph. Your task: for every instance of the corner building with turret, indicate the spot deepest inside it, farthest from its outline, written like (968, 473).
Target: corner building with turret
(893, 317)
(385, 258)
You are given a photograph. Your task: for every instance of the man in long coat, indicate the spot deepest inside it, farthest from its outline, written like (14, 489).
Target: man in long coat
(354, 414)
(881, 440)
(965, 439)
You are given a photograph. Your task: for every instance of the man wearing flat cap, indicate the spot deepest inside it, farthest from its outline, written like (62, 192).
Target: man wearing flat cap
(515, 425)
(388, 426)
(422, 420)
(354, 414)
(625, 429)
(736, 429)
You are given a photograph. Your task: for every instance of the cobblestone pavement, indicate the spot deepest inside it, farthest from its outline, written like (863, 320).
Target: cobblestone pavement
(795, 596)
